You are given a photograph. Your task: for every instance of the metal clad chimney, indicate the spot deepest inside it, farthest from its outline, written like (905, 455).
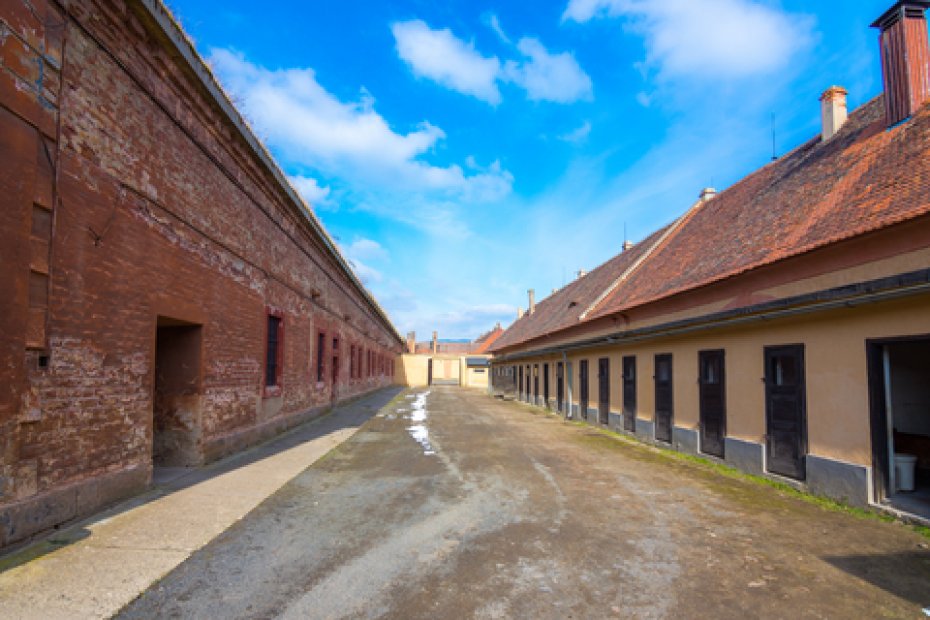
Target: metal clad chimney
(531, 295)
(833, 111)
(905, 58)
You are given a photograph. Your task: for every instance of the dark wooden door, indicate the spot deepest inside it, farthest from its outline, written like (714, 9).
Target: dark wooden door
(560, 386)
(520, 391)
(546, 385)
(785, 411)
(629, 394)
(664, 410)
(603, 390)
(583, 389)
(713, 403)
(536, 384)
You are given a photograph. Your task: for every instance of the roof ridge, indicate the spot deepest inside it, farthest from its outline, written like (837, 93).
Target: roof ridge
(669, 232)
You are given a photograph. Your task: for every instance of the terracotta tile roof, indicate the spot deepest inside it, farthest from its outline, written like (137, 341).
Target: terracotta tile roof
(486, 341)
(864, 179)
(562, 309)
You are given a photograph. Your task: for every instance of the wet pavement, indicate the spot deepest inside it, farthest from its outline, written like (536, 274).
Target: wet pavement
(450, 504)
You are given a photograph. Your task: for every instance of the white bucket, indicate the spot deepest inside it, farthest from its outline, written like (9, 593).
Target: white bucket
(904, 465)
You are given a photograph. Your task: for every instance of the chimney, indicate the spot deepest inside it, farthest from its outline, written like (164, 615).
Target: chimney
(628, 245)
(708, 193)
(531, 294)
(833, 111)
(435, 346)
(905, 58)
(411, 342)
(582, 273)
(519, 313)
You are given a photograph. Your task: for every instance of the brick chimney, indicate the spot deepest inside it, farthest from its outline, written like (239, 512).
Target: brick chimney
(435, 345)
(628, 245)
(905, 58)
(833, 111)
(411, 342)
(531, 296)
(519, 313)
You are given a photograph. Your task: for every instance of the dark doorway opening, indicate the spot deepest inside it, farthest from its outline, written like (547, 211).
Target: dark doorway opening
(713, 401)
(176, 403)
(560, 387)
(546, 385)
(665, 413)
(603, 390)
(536, 384)
(429, 371)
(786, 411)
(899, 394)
(583, 389)
(629, 393)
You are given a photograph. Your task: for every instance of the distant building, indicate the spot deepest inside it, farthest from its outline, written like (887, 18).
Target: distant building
(447, 362)
(782, 325)
(167, 297)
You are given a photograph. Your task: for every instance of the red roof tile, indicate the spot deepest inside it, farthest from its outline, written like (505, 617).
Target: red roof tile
(864, 179)
(562, 309)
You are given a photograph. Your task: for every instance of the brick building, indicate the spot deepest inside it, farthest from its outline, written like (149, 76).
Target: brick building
(167, 298)
(783, 325)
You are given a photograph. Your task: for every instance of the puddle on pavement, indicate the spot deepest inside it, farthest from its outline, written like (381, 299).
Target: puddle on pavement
(418, 415)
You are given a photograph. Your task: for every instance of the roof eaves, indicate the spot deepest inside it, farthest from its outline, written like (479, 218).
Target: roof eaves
(163, 17)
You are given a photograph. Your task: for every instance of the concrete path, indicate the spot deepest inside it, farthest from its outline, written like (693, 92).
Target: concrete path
(95, 568)
(453, 505)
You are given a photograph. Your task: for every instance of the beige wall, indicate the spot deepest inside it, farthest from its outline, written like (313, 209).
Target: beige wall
(472, 378)
(836, 374)
(412, 370)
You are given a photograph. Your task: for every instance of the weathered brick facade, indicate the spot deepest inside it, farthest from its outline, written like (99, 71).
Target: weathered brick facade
(143, 226)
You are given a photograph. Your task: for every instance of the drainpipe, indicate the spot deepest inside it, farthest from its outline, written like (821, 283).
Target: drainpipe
(889, 419)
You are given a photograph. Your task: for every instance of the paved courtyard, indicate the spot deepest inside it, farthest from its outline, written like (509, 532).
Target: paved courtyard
(449, 504)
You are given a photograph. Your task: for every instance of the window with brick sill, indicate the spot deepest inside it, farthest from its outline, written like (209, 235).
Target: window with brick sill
(274, 354)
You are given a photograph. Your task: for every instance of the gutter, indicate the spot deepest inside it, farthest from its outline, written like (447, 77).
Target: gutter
(173, 31)
(850, 296)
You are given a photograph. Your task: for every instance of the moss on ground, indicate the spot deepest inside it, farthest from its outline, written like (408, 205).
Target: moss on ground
(607, 439)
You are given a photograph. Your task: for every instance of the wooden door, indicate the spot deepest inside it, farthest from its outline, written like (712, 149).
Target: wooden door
(546, 385)
(712, 381)
(785, 411)
(664, 407)
(583, 389)
(560, 386)
(520, 390)
(629, 393)
(535, 384)
(603, 390)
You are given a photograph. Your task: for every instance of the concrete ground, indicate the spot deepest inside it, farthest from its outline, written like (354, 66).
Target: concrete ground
(449, 504)
(94, 568)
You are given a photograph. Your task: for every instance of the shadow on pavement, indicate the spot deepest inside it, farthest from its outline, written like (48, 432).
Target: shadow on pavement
(166, 481)
(905, 575)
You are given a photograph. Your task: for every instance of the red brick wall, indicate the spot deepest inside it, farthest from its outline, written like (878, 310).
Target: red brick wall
(162, 210)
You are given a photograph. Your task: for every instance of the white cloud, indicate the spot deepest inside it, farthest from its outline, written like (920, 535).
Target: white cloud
(548, 77)
(311, 191)
(360, 254)
(440, 56)
(307, 124)
(495, 24)
(366, 249)
(720, 39)
(578, 135)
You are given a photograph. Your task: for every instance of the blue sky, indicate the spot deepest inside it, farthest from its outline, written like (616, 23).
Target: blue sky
(462, 152)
